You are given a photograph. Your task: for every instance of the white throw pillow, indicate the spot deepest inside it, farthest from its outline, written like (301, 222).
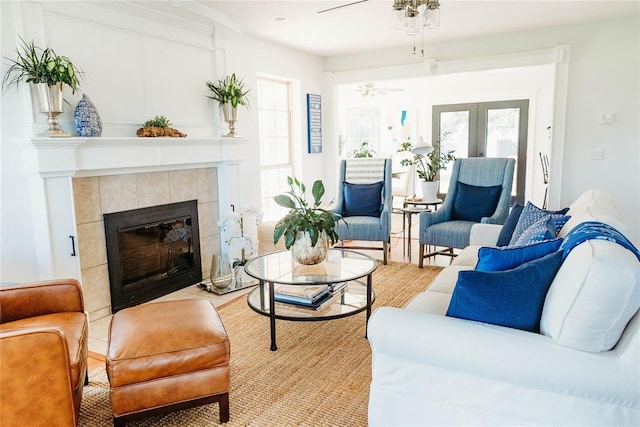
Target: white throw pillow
(593, 296)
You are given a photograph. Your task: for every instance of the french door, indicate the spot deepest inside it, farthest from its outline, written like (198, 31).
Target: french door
(485, 129)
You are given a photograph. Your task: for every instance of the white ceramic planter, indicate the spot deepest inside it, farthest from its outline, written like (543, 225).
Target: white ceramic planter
(430, 190)
(304, 253)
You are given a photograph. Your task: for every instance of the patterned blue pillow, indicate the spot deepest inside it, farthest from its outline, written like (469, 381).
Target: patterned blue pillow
(531, 214)
(545, 228)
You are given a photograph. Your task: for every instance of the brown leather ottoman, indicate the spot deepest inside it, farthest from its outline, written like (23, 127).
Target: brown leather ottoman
(167, 356)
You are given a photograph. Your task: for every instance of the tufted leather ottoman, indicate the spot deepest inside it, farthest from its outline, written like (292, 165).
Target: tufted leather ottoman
(167, 356)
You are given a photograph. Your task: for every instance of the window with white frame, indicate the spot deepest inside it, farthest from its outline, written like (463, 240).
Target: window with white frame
(276, 158)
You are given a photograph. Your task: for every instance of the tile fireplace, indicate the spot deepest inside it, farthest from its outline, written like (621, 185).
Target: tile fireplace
(78, 180)
(152, 252)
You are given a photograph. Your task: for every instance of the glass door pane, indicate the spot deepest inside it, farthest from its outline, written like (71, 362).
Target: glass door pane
(503, 130)
(485, 129)
(454, 135)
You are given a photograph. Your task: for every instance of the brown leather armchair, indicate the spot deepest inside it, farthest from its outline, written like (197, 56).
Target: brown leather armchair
(43, 353)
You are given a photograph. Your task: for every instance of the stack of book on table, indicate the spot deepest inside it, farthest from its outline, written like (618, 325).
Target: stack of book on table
(312, 296)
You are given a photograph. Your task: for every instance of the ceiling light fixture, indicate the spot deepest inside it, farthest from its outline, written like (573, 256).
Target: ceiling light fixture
(413, 16)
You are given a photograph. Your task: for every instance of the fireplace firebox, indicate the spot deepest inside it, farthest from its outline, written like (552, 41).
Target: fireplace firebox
(152, 252)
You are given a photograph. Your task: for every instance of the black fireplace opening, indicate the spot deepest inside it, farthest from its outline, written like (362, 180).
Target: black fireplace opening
(152, 252)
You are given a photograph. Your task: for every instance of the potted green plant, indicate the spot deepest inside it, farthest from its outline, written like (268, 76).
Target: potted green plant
(363, 151)
(428, 165)
(305, 228)
(157, 127)
(47, 73)
(229, 92)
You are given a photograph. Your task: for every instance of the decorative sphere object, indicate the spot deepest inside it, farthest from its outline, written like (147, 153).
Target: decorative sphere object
(86, 118)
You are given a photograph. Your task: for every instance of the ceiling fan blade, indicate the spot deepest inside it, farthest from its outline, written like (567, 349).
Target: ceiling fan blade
(341, 6)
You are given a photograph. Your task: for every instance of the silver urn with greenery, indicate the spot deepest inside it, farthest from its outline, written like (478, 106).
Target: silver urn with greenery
(229, 92)
(47, 73)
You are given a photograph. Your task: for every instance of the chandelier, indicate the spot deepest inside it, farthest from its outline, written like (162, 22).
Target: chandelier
(414, 15)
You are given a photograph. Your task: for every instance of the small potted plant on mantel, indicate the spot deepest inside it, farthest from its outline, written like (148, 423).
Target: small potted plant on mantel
(157, 127)
(305, 228)
(429, 161)
(47, 73)
(229, 92)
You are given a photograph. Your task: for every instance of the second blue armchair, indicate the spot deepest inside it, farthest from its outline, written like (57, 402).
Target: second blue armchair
(479, 191)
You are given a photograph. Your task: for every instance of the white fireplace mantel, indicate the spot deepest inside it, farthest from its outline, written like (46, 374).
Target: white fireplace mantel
(53, 162)
(109, 156)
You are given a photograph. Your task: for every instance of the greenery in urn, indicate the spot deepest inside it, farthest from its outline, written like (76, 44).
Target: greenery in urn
(428, 166)
(303, 217)
(229, 90)
(37, 65)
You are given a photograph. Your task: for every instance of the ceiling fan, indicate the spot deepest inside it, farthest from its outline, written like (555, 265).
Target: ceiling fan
(370, 89)
(342, 5)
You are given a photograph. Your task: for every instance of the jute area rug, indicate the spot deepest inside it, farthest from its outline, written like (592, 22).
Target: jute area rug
(319, 376)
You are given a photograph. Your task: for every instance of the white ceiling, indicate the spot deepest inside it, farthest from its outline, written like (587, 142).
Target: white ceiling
(366, 26)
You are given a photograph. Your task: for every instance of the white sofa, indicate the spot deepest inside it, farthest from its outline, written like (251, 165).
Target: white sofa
(430, 369)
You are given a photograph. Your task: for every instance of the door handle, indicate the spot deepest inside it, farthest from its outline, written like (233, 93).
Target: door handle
(73, 245)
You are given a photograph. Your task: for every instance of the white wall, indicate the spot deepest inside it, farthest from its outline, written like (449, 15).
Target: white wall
(17, 242)
(249, 57)
(603, 70)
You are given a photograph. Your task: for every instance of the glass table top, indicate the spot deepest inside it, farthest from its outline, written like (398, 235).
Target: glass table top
(339, 266)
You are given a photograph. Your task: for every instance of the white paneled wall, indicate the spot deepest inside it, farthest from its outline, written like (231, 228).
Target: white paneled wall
(135, 65)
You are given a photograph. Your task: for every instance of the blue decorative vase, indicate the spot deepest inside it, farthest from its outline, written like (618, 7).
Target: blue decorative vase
(86, 118)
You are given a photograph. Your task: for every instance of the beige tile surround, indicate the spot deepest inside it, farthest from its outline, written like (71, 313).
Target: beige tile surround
(95, 196)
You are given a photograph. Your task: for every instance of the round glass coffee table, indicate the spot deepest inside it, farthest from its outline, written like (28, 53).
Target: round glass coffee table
(340, 272)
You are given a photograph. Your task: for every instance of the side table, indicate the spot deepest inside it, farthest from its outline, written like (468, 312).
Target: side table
(407, 213)
(425, 203)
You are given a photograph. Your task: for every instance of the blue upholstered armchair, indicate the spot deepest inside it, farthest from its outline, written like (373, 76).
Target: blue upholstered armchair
(364, 200)
(479, 191)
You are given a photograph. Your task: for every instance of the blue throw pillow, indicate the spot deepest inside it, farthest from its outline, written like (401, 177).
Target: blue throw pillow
(474, 202)
(500, 259)
(545, 228)
(555, 224)
(362, 199)
(512, 298)
(509, 225)
(530, 215)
